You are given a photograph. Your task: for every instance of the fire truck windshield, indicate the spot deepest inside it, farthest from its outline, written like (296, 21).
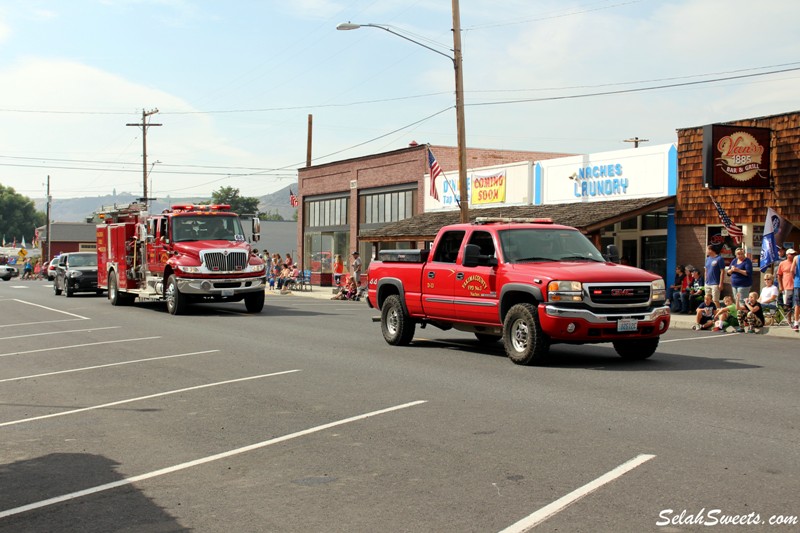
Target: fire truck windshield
(206, 228)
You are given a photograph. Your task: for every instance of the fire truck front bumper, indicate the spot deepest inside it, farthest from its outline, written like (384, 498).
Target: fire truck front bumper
(565, 325)
(221, 287)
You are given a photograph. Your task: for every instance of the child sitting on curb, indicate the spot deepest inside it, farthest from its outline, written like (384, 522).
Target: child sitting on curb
(705, 314)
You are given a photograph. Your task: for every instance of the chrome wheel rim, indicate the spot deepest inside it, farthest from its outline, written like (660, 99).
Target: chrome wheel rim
(392, 322)
(520, 335)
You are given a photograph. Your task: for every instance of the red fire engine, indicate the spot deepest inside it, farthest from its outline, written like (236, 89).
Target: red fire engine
(187, 253)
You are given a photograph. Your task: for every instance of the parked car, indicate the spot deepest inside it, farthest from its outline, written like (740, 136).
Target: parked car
(51, 269)
(76, 272)
(7, 272)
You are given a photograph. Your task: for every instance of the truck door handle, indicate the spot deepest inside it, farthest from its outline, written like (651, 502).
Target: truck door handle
(431, 275)
(460, 276)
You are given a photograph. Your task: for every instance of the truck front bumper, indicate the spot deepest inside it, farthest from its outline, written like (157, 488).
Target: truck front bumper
(584, 325)
(221, 287)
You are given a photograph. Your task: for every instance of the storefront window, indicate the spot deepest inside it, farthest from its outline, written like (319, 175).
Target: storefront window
(654, 255)
(657, 220)
(389, 206)
(631, 223)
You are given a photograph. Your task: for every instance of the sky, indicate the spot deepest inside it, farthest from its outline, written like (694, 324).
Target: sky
(234, 83)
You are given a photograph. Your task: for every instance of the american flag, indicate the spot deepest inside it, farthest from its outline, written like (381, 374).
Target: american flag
(293, 199)
(436, 171)
(733, 230)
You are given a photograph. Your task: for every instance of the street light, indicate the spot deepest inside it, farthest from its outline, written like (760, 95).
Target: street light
(460, 130)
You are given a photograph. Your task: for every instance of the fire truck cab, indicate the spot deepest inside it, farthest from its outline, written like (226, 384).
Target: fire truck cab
(188, 253)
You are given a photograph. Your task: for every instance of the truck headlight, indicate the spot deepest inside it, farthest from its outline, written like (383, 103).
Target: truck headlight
(257, 268)
(189, 269)
(75, 274)
(565, 291)
(659, 290)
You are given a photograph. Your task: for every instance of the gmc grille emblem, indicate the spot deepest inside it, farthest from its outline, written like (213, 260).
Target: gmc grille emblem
(622, 292)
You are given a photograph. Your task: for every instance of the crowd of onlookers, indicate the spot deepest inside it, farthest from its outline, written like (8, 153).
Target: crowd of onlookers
(698, 294)
(283, 275)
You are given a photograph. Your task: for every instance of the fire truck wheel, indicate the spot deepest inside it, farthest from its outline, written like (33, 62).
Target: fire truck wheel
(397, 327)
(254, 301)
(636, 349)
(113, 291)
(176, 302)
(524, 341)
(56, 290)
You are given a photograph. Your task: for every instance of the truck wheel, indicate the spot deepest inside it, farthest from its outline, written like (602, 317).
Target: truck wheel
(396, 326)
(636, 349)
(56, 290)
(524, 341)
(485, 338)
(176, 302)
(114, 296)
(254, 301)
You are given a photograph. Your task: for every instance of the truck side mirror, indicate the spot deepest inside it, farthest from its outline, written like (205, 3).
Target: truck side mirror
(612, 253)
(256, 229)
(473, 257)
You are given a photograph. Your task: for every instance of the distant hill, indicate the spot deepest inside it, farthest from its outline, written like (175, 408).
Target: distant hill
(78, 209)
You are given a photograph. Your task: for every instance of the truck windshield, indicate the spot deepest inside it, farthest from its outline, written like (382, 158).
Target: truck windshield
(207, 228)
(529, 245)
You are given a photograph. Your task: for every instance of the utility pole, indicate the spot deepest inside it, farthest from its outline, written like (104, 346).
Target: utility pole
(636, 141)
(144, 125)
(47, 228)
(460, 128)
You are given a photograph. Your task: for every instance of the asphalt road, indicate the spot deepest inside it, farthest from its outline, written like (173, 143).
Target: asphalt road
(302, 418)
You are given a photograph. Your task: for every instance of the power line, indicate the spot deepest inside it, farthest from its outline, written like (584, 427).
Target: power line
(625, 91)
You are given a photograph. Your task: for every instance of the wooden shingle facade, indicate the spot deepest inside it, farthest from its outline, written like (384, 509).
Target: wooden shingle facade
(746, 207)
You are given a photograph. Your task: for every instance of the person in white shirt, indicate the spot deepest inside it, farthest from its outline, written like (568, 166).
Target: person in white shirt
(769, 294)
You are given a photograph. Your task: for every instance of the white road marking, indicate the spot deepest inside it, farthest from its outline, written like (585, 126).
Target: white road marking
(562, 503)
(201, 461)
(140, 398)
(78, 346)
(106, 366)
(703, 338)
(51, 309)
(58, 332)
(41, 322)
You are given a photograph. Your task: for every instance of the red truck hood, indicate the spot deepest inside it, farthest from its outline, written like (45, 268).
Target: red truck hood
(584, 271)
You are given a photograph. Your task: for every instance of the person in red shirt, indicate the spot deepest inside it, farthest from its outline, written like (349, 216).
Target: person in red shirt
(785, 277)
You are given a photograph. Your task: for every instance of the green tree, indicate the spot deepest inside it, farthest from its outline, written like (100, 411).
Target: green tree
(269, 215)
(242, 205)
(18, 215)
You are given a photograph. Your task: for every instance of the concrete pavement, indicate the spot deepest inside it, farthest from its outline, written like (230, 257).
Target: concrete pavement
(676, 322)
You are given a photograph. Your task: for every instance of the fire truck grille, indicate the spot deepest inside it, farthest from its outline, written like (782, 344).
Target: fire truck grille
(604, 295)
(221, 262)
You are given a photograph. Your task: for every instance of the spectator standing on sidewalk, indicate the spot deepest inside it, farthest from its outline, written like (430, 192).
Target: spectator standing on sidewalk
(713, 274)
(785, 277)
(796, 295)
(356, 268)
(338, 269)
(741, 272)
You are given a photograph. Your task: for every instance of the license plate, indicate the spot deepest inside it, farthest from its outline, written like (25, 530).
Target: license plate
(627, 324)
(227, 292)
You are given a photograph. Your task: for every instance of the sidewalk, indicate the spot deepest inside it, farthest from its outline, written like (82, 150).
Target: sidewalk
(687, 321)
(676, 321)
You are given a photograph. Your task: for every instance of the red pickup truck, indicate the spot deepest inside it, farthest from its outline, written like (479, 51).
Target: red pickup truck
(531, 283)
